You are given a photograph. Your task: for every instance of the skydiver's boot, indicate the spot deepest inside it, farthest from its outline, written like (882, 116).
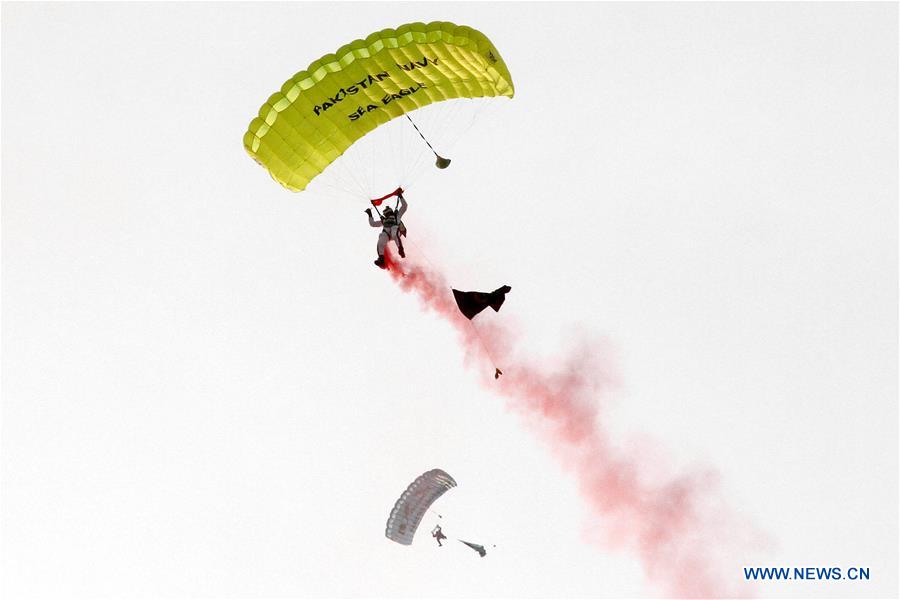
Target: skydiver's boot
(380, 262)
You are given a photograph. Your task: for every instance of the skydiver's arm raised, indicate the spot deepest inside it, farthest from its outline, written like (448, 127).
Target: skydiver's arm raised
(402, 206)
(372, 222)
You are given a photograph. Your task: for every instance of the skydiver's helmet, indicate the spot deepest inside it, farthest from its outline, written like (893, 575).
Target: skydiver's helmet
(388, 211)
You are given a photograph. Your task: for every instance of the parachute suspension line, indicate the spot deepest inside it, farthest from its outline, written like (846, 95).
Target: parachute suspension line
(431, 118)
(497, 371)
(416, 157)
(440, 162)
(396, 143)
(411, 151)
(346, 176)
(372, 166)
(450, 121)
(412, 154)
(446, 121)
(485, 104)
(347, 169)
(333, 192)
(467, 119)
(340, 183)
(420, 135)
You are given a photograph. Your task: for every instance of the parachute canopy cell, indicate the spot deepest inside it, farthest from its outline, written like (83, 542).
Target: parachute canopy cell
(414, 502)
(320, 112)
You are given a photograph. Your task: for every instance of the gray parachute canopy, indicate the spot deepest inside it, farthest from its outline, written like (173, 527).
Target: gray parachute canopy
(412, 504)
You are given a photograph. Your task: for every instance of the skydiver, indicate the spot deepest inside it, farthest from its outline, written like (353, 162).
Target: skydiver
(437, 534)
(392, 229)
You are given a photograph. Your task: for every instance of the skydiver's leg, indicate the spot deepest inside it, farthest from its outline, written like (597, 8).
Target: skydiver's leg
(382, 242)
(399, 241)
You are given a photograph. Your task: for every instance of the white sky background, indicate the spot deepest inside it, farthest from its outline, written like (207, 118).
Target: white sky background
(209, 390)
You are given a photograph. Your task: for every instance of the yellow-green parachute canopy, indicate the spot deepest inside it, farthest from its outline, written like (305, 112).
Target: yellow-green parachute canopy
(320, 112)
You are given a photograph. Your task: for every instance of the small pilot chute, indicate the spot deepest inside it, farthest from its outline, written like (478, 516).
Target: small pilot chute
(472, 303)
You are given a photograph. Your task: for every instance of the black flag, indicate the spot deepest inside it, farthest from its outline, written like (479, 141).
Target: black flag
(472, 303)
(476, 547)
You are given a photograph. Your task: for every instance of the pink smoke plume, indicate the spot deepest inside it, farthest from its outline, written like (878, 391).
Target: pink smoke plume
(677, 526)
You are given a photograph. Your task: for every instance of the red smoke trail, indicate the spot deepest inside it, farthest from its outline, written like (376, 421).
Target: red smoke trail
(676, 526)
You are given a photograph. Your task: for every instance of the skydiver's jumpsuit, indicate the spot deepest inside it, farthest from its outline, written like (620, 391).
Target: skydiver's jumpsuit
(438, 535)
(391, 226)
